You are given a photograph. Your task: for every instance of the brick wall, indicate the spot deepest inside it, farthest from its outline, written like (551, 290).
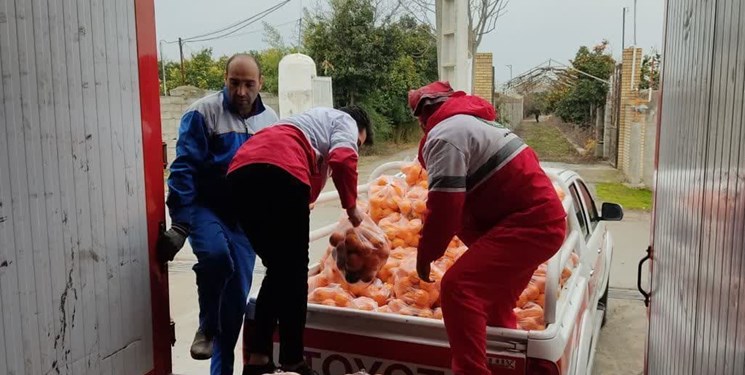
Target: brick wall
(630, 77)
(483, 76)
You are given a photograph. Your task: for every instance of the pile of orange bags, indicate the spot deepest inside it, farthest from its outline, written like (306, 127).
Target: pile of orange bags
(398, 206)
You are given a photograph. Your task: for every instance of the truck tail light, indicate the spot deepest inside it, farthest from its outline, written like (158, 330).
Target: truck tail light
(542, 367)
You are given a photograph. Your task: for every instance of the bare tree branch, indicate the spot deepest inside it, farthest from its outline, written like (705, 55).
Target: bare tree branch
(483, 16)
(420, 10)
(392, 12)
(488, 15)
(498, 11)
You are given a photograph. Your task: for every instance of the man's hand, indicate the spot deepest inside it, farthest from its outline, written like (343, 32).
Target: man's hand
(170, 242)
(423, 269)
(355, 216)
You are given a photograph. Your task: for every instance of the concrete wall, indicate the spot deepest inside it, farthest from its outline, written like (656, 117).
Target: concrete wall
(172, 107)
(509, 109)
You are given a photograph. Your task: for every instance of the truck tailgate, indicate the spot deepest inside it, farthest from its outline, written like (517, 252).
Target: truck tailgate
(343, 341)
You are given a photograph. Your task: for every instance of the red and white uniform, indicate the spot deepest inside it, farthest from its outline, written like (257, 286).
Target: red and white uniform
(486, 186)
(310, 146)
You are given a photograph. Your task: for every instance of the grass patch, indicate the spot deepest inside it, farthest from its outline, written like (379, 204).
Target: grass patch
(629, 198)
(548, 142)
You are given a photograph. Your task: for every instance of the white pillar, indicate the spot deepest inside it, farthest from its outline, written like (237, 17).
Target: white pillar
(296, 74)
(452, 43)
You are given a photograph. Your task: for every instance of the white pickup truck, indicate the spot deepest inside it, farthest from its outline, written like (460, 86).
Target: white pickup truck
(344, 341)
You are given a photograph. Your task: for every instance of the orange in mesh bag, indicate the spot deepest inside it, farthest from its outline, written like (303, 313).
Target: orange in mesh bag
(394, 260)
(415, 174)
(417, 195)
(410, 289)
(530, 317)
(398, 306)
(401, 231)
(329, 272)
(364, 303)
(386, 197)
(332, 295)
(536, 287)
(378, 291)
(359, 252)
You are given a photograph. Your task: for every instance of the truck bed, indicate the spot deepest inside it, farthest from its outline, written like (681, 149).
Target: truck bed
(344, 340)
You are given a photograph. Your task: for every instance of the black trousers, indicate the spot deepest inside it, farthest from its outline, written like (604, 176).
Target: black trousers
(272, 208)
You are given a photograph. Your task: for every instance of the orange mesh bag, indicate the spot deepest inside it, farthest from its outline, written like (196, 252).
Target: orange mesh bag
(535, 288)
(394, 260)
(359, 252)
(317, 281)
(386, 197)
(410, 289)
(332, 295)
(364, 303)
(530, 317)
(414, 173)
(398, 306)
(378, 291)
(329, 271)
(417, 195)
(401, 231)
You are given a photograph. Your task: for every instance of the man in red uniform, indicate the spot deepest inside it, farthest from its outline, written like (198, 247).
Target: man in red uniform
(274, 177)
(486, 186)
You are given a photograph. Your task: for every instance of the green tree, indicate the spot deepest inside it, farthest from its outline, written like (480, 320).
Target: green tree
(200, 70)
(347, 39)
(373, 65)
(536, 103)
(578, 102)
(270, 58)
(203, 71)
(650, 71)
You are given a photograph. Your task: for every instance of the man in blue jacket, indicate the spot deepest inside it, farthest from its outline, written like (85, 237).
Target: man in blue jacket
(211, 131)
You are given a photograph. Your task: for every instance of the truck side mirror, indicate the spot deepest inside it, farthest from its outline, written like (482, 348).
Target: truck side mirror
(611, 212)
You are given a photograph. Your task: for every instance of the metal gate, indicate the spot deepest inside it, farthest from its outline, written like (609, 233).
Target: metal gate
(696, 323)
(81, 190)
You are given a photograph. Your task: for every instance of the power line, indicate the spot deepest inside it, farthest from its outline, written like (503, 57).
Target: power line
(235, 24)
(260, 30)
(245, 23)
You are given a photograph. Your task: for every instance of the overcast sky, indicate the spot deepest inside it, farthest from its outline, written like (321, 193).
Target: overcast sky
(531, 32)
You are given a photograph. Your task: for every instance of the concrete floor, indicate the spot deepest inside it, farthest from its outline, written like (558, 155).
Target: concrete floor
(619, 351)
(622, 340)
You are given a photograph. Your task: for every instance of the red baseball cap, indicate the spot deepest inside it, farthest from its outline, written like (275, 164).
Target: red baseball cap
(434, 90)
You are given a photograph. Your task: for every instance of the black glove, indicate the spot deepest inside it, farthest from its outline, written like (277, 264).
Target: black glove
(171, 241)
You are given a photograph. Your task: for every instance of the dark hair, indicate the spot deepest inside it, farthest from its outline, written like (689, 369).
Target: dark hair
(362, 119)
(252, 57)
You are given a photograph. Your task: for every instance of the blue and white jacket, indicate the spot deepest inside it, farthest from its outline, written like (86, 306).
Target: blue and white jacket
(209, 135)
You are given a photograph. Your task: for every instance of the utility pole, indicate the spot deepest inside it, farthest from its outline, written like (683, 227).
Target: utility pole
(181, 52)
(510, 66)
(163, 68)
(300, 32)
(634, 23)
(623, 31)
